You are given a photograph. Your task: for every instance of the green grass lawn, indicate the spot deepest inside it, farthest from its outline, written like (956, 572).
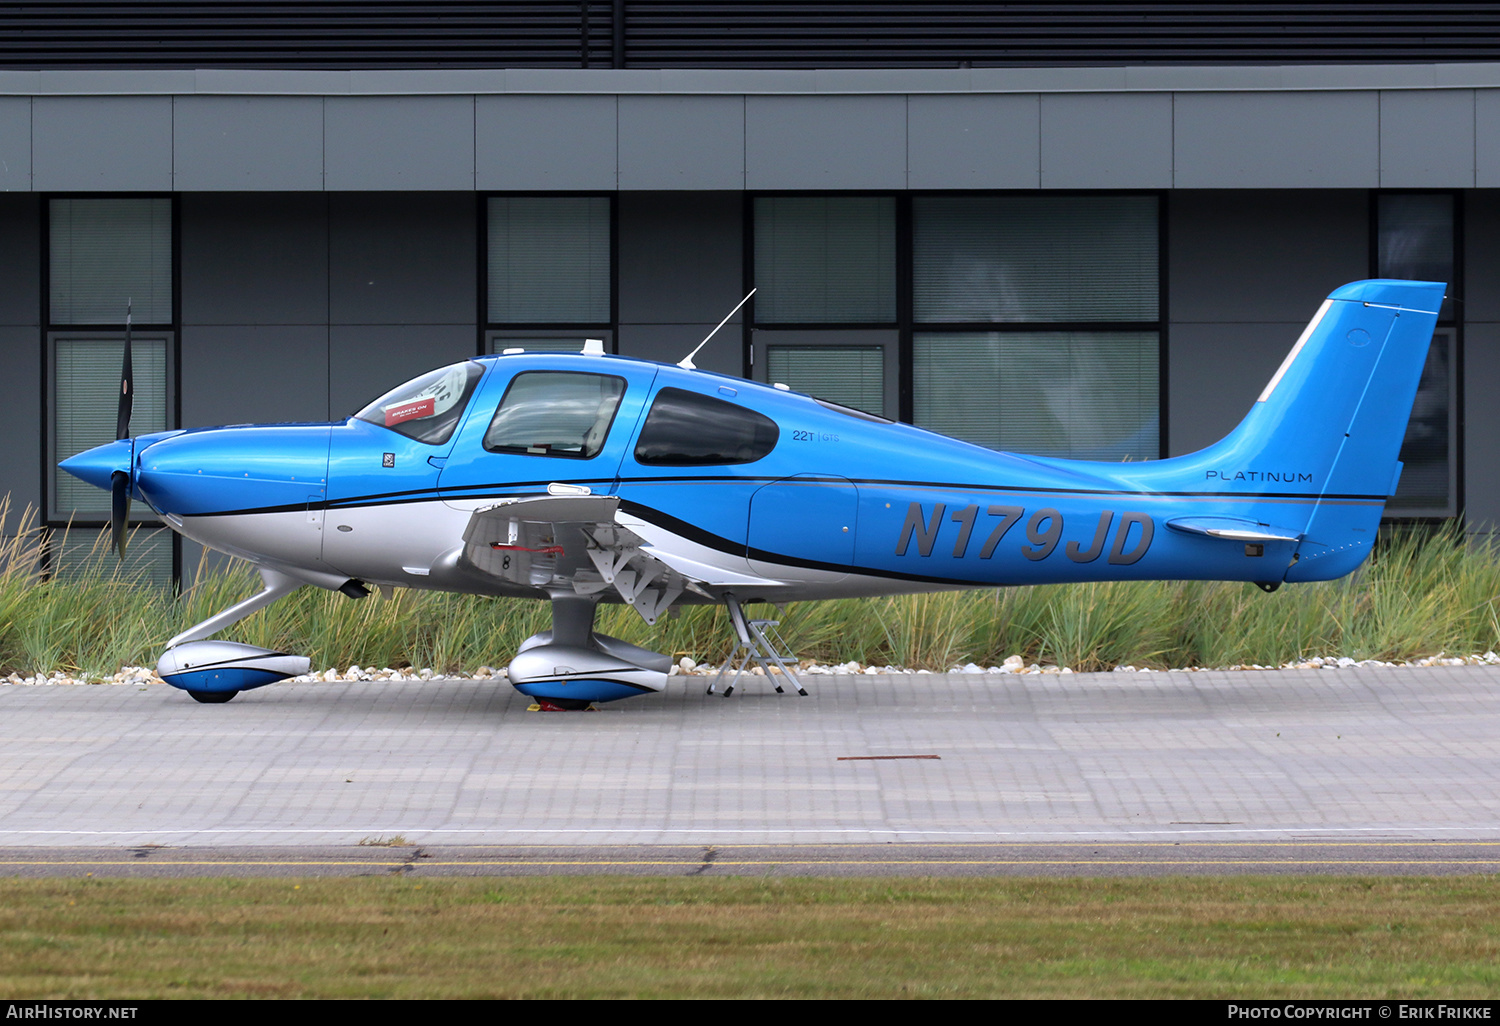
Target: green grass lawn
(1291, 937)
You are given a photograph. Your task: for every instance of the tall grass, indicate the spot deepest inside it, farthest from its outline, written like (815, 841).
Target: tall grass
(1421, 593)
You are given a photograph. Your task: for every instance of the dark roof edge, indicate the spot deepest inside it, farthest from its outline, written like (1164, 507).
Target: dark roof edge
(516, 81)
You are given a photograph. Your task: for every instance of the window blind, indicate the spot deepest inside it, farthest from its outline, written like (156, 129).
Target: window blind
(1084, 395)
(848, 375)
(87, 377)
(90, 553)
(549, 260)
(825, 259)
(1034, 258)
(107, 252)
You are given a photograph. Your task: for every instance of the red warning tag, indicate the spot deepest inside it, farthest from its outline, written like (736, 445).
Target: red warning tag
(410, 411)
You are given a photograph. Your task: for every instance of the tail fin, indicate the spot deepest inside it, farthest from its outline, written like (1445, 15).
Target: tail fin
(1332, 418)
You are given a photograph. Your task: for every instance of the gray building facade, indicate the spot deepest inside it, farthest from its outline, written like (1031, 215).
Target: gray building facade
(994, 252)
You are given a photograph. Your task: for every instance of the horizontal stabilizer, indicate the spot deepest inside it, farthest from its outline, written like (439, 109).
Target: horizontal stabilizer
(1236, 529)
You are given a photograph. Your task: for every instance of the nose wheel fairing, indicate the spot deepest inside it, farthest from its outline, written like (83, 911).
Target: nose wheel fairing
(216, 671)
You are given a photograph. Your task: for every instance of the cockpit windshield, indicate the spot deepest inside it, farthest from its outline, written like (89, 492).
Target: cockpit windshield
(428, 408)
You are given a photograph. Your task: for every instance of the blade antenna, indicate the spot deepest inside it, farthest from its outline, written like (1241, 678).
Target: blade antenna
(119, 498)
(686, 363)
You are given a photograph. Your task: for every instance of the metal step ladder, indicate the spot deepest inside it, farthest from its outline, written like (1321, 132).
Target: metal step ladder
(757, 640)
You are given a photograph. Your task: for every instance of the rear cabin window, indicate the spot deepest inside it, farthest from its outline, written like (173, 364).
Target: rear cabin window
(426, 408)
(555, 413)
(685, 429)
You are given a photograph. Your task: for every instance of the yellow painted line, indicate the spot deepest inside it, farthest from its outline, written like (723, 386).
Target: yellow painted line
(887, 845)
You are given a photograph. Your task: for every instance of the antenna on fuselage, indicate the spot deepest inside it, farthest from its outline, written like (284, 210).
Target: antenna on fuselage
(686, 363)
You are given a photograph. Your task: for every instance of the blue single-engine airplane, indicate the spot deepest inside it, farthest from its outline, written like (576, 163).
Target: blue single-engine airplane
(586, 477)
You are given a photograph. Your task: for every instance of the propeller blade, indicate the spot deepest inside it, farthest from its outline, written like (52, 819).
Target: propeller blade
(119, 508)
(127, 385)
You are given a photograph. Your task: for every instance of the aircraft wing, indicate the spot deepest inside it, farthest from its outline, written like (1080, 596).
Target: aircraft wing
(577, 542)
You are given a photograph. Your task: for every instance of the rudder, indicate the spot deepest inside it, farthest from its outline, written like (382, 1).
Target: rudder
(1330, 422)
(1337, 410)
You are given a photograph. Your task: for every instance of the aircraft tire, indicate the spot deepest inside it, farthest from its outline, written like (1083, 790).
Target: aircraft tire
(212, 697)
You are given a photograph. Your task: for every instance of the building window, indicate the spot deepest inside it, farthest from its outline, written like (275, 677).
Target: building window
(1028, 323)
(1416, 238)
(825, 259)
(104, 255)
(1036, 323)
(89, 554)
(549, 261)
(1014, 259)
(86, 389)
(105, 252)
(826, 310)
(852, 376)
(1078, 394)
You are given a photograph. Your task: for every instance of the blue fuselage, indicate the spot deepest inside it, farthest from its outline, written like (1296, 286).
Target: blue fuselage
(840, 504)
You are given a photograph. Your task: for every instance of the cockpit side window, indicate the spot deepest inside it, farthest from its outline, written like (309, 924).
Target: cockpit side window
(555, 413)
(685, 429)
(428, 408)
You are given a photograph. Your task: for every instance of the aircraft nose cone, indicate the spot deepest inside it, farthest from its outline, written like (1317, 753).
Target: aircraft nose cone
(97, 464)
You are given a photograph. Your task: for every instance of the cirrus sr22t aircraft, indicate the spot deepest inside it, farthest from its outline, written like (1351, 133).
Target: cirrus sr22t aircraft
(585, 477)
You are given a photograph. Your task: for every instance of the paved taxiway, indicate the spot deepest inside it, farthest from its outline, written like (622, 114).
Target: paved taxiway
(1356, 770)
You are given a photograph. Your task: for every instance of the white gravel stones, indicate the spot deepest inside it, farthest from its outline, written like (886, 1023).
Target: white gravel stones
(142, 675)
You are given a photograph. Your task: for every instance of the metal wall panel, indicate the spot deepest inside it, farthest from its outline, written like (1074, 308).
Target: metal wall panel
(226, 376)
(1106, 140)
(1481, 361)
(1292, 140)
(398, 142)
(1427, 139)
(682, 142)
(571, 142)
(669, 343)
(365, 361)
(240, 143)
(403, 258)
(252, 258)
(1246, 271)
(825, 142)
(1487, 138)
(1481, 236)
(972, 142)
(681, 257)
(545, 143)
(1215, 373)
(15, 143)
(20, 259)
(1262, 256)
(1481, 383)
(20, 416)
(96, 143)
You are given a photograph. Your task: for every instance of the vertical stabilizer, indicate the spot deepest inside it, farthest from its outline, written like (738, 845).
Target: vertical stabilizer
(1332, 418)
